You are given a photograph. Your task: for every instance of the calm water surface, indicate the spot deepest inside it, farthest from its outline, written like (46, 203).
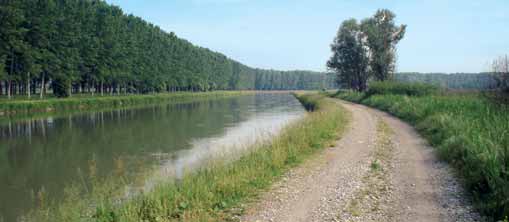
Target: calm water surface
(44, 156)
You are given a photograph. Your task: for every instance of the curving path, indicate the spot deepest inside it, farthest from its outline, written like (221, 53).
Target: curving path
(381, 170)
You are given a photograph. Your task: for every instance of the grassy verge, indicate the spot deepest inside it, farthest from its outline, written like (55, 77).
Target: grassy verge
(468, 131)
(24, 107)
(215, 193)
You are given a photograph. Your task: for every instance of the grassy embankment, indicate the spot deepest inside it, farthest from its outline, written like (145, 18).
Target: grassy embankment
(216, 193)
(18, 107)
(468, 130)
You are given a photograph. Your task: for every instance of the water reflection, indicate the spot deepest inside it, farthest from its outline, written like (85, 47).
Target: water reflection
(48, 154)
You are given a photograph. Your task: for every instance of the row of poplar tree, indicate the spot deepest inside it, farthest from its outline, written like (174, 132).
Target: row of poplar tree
(89, 46)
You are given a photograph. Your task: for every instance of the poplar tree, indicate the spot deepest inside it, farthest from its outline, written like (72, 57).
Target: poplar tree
(350, 56)
(382, 37)
(11, 35)
(90, 46)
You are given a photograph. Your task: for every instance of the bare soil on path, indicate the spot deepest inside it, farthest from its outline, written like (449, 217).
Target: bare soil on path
(381, 170)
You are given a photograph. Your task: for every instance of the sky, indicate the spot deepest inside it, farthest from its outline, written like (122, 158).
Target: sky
(442, 35)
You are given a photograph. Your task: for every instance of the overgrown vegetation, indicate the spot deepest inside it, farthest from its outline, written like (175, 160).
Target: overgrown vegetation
(216, 192)
(309, 102)
(398, 88)
(90, 46)
(468, 131)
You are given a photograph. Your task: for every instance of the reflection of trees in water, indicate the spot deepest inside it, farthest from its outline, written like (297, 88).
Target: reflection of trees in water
(50, 152)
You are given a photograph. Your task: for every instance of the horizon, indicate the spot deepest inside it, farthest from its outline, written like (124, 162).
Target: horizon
(269, 35)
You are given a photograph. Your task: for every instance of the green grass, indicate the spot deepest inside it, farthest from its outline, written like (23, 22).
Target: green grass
(214, 193)
(399, 88)
(21, 107)
(468, 131)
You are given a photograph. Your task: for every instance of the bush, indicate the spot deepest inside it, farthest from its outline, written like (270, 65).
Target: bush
(399, 88)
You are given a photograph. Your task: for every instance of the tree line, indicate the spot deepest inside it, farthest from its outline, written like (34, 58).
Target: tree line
(88, 46)
(500, 71)
(496, 78)
(366, 50)
(471, 81)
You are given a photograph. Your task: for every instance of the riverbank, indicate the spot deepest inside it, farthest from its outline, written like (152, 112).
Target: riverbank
(217, 192)
(21, 107)
(468, 131)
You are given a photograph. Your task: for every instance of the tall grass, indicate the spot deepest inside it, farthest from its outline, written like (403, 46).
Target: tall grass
(468, 131)
(215, 193)
(399, 88)
(23, 107)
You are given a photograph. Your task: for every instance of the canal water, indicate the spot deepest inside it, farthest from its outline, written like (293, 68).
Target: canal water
(41, 158)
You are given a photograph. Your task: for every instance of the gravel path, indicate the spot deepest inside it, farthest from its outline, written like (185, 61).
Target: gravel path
(380, 170)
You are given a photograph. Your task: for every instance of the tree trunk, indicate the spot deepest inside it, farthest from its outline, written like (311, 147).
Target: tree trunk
(8, 82)
(43, 85)
(101, 88)
(10, 73)
(34, 87)
(70, 89)
(28, 86)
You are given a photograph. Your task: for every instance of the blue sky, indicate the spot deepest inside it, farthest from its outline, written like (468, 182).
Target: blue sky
(442, 35)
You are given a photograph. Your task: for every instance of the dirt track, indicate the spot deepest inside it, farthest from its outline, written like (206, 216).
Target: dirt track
(381, 170)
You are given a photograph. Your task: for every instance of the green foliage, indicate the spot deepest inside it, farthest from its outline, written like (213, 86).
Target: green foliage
(382, 37)
(91, 46)
(61, 87)
(366, 51)
(399, 88)
(350, 57)
(468, 131)
(214, 193)
(309, 101)
(2, 67)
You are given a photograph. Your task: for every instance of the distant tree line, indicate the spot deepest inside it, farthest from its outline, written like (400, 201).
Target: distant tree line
(496, 79)
(89, 46)
(474, 81)
(500, 71)
(366, 50)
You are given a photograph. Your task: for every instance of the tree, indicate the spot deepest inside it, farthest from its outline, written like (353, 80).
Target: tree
(382, 37)
(11, 37)
(350, 56)
(2, 69)
(500, 70)
(91, 46)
